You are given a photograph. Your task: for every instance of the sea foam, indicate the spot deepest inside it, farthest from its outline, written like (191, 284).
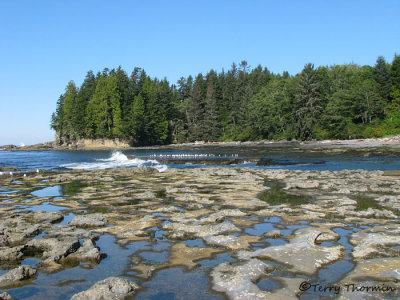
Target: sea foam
(117, 160)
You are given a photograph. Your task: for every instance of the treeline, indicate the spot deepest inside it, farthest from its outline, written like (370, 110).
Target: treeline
(341, 101)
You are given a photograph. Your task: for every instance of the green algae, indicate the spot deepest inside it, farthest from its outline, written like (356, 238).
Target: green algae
(128, 202)
(161, 194)
(97, 209)
(364, 203)
(30, 251)
(73, 187)
(276, 196)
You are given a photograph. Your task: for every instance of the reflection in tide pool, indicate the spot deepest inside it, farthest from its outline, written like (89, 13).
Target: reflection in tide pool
(45, 206)
(47, 286)
(176, 283)
(51, 191)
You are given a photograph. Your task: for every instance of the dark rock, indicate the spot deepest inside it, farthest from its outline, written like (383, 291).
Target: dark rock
(8, 147)
(6, 169)
(55, 249)
(285, 162)
(87, 252)
(221, 162)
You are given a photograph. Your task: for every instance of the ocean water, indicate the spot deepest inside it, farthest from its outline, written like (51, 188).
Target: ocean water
(287, 159)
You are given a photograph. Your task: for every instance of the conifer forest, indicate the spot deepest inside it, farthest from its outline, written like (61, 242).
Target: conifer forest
(241, 104)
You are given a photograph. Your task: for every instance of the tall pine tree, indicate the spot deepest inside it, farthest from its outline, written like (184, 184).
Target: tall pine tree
(308, 107)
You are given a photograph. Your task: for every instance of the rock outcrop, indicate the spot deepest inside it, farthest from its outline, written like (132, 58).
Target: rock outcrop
(109, 288)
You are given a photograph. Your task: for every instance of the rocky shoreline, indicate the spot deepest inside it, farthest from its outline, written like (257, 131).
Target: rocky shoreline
(284, 229)
(379, 144)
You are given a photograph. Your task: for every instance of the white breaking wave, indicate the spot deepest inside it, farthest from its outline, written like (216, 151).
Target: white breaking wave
(117, 160)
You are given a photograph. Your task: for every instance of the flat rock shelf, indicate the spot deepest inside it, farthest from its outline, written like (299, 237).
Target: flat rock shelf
(205, 233)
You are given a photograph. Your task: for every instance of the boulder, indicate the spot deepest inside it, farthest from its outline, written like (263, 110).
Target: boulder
(87, 252)
(15, 276)
(272, 234)
(221, 215)
(54, 249)
(48, 217)
(11, 254)
(109, 288)
(90, 220)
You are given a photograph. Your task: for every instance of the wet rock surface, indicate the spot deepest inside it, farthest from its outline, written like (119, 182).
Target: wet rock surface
(16, 276)
(242, 232)
(91, 220)
(109, 288)
(6, 296)
(301, 254)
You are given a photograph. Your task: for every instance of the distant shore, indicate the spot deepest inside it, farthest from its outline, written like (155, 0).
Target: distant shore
(389, 143)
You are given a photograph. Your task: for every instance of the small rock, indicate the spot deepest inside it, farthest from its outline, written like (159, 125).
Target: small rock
(326, 237)
(221, 215)
(87, 252)
(90, 220)
(6, 296)
(109, 288)
(11, 254)
(16, 275)
(238, 281)
(55, 249)
(51, 217)
(272, 234)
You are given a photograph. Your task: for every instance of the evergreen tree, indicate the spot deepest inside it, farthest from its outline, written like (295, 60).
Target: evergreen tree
(57, 120)
(340, 101)
(156, 127)
(70, 120)
(395, 79)
(104, 110)
(210, 123)
(308, 108)
(83, 97)
(195, 109)
(395, 73)
(137, 121)
(382, 78)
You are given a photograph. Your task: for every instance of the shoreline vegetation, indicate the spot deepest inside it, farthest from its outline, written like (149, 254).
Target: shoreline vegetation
(241, 104)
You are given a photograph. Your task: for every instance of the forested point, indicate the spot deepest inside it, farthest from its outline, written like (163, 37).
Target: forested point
(335, 102)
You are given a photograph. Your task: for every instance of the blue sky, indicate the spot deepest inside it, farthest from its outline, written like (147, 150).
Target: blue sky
(45, 44)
